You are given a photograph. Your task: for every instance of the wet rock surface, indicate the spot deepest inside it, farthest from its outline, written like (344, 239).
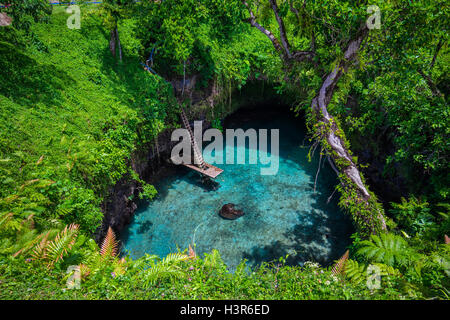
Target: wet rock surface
(229, 211)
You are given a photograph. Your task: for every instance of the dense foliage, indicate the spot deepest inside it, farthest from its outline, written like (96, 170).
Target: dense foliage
(73, 115)
(70, 122)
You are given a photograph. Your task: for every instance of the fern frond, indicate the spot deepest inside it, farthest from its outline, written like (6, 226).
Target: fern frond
(213, 259)
(119, 268)
(109, 245)
(84, 271)
(161, 271)
(28, 241)
(388, 270)
(355, 272)
(389, 249)
(39, 250)
(56, 249)
(174, 257)
(340, 265)
(153, 270)
(5, 218)
(192, 254)
(9, 224)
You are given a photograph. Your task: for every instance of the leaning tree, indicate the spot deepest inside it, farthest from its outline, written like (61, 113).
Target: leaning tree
(335, 32)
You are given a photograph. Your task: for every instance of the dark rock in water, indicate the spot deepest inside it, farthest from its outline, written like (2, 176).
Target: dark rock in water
(229, 211)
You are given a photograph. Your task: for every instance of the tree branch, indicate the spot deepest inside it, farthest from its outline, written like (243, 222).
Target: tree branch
(318, 170)
(301, 56)
(269, 34)
(438, 48)
(284, 39)
(294, 10)
(284, 47)
(434, 89)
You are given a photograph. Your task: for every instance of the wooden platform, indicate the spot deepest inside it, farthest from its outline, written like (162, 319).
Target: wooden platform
(211, 171)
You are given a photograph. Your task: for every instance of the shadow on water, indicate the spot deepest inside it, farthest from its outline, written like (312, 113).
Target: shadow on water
(204, 183)
(145, 226)
(308, 238)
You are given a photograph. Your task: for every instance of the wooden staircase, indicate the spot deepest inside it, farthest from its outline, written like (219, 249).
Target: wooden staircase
(197, 154)
(199, 164)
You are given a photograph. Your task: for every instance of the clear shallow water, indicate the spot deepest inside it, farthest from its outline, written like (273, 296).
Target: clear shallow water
(283, 215)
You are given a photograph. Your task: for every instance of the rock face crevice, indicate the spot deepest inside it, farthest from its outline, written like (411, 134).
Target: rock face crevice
(118, 209)
(121, 203)
(149, 163)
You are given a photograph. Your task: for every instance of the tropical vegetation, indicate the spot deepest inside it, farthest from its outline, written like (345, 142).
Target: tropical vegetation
(76, 109)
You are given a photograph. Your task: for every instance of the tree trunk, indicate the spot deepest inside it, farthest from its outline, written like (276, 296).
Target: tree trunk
(112, 43)
(329, 132)
(118, 44)
(363, 207)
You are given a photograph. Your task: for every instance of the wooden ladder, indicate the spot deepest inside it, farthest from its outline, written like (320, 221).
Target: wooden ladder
(197, 154)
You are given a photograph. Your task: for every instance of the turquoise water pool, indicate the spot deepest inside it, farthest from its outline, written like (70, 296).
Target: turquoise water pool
(283, 214)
